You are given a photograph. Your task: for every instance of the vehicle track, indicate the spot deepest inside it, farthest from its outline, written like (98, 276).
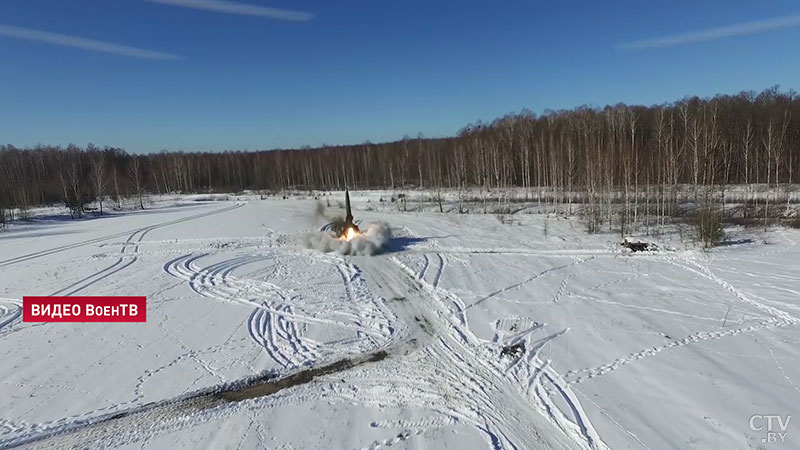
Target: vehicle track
(42, 253)
(274, 323)
(433, 361)
(440, 269)
(124, 260)
(10, 311)
(460, 376)
(139, 423)
(281, 316)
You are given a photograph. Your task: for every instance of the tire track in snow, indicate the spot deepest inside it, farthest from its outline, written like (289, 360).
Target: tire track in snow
(217, 277)
(280, 316)
(62, 248)
(425, 266)
(279, 338)
(107, 272)
(216, 281)
(454, 367)
(440, 270)
(142, 422)
(461, 376)
(210, 282)
(124, 261)
(536, 375)
(266, 325)
(10, 311)
(619, 425)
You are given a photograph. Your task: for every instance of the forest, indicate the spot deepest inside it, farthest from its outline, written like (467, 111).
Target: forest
(612, 165)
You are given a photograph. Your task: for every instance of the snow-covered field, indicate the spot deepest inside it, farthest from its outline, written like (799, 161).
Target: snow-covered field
(467, 333)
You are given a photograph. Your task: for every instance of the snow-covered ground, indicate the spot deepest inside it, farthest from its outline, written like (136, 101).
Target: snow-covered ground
(467, 333)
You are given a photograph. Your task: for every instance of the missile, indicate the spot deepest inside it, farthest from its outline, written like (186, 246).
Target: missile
(348, 219)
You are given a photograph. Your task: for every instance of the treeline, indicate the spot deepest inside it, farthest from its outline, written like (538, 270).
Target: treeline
(635, 156)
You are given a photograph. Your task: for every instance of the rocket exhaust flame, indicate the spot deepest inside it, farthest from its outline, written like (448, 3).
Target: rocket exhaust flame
(350, 234)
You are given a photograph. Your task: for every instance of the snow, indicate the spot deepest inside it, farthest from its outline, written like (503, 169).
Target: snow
(675, 348)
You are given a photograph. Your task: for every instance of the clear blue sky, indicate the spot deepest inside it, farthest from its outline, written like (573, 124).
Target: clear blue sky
(148, 75)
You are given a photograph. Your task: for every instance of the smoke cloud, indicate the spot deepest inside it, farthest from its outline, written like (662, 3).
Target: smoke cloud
(371, 241)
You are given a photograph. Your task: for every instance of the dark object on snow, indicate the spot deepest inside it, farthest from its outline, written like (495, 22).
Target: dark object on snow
(513, 350)
(636, 246)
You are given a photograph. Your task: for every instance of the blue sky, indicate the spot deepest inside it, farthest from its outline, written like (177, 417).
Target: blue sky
(148, 75)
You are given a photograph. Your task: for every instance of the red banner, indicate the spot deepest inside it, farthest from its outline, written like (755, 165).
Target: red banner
(84, 309)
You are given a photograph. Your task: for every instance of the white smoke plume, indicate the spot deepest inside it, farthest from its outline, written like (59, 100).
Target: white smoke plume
(371, 241)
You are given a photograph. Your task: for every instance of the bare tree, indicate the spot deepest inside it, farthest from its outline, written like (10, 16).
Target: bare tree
(99, 179)
(137, 178)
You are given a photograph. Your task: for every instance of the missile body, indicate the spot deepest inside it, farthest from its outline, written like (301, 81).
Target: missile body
(348, 219)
